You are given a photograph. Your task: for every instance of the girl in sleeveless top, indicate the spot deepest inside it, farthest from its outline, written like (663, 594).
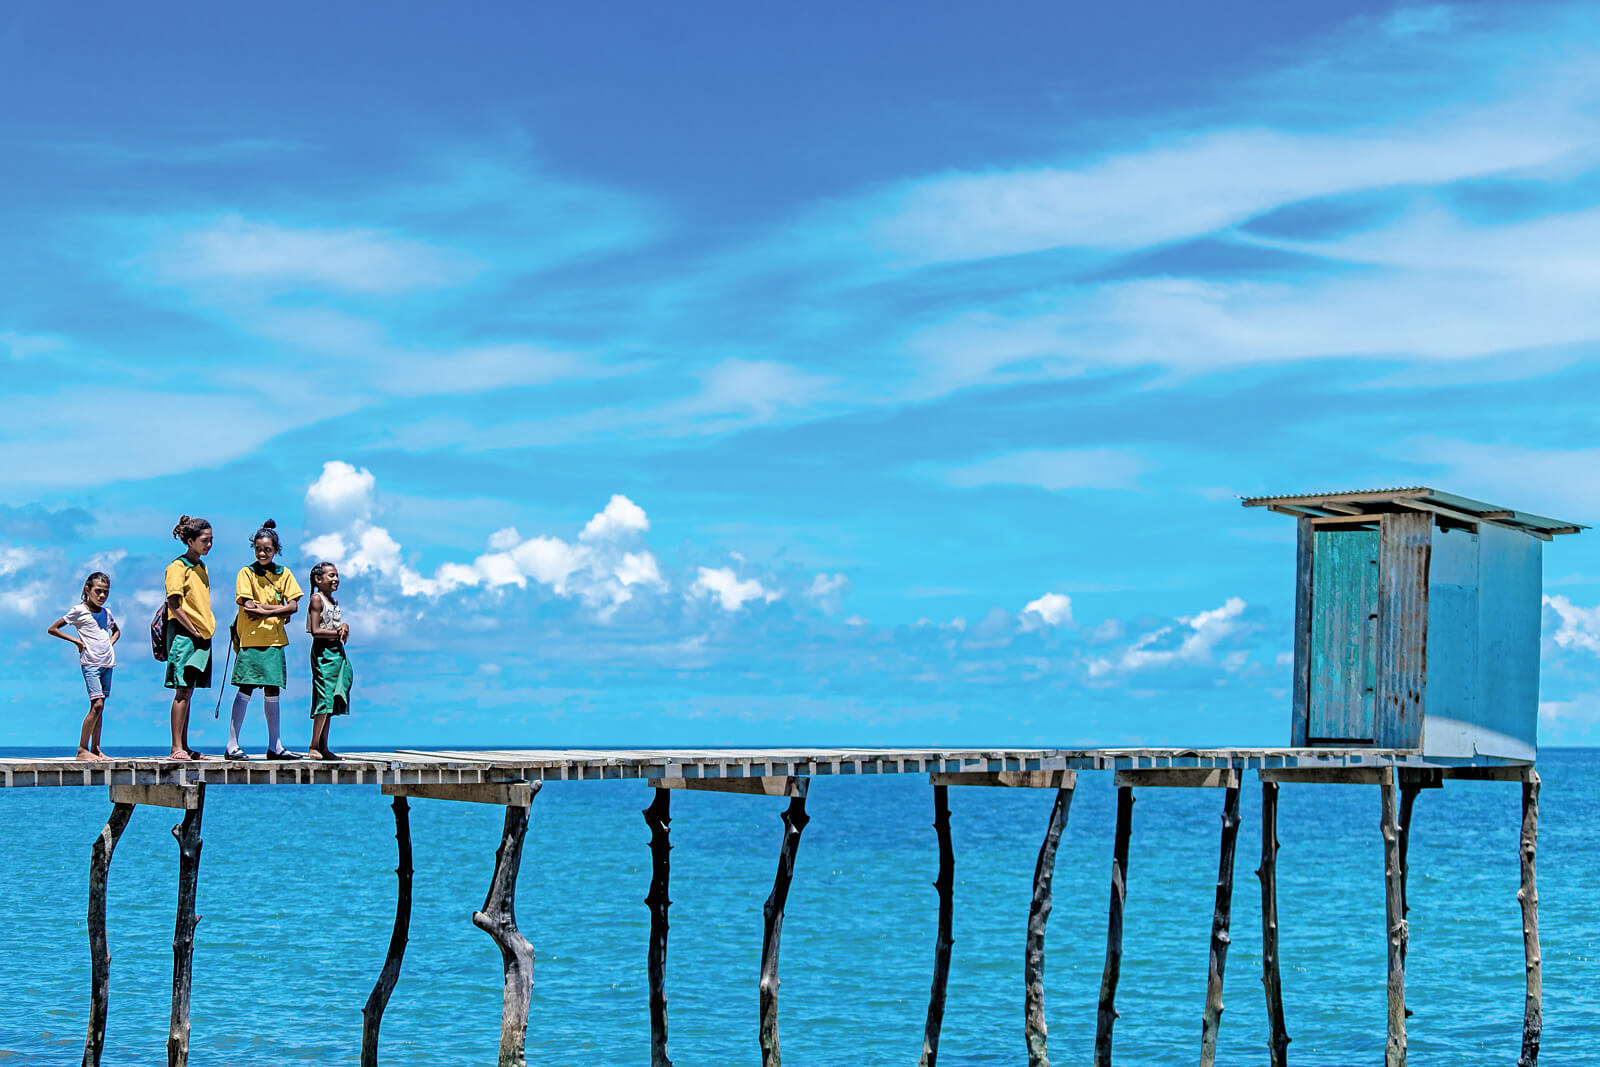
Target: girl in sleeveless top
(331, 675)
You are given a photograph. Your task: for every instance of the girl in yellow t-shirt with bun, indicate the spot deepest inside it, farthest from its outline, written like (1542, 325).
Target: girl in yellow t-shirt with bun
(267, 595)
(190, 625)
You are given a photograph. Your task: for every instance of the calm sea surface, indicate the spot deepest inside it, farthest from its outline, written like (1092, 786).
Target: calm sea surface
(297, 894)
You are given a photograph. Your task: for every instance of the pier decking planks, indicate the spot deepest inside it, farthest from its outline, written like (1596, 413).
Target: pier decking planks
(422, 767)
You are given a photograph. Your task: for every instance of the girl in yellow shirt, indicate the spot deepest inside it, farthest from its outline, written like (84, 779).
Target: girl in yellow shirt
(190, 625)
(267, 595)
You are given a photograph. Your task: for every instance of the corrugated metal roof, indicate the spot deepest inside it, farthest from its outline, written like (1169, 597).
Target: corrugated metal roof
(1417, 498)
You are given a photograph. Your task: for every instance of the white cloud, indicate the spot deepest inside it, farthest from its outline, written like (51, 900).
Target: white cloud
(1192, 640)
(1051, 609)
(234, 250)
(597, 569)
(726, 587)
(1057, 469)
(621, 518)
(827, 590)
(341, 494)
(21, 346)
(1577, 627)
(14, 558)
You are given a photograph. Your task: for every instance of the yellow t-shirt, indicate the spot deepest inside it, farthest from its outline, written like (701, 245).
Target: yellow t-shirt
(264, 587)
(190, 583)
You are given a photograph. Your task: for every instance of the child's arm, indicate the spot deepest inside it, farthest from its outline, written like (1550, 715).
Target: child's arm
(55, 631)
(116, 633)
(179, 616)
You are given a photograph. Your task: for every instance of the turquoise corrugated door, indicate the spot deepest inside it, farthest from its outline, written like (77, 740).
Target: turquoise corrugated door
(1344, 624)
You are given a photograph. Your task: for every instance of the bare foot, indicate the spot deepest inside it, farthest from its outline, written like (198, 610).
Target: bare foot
(85, 756)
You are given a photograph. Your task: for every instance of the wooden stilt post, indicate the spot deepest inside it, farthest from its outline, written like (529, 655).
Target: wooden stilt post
(944, 884)
(1278, 1034)
(372, 1013)
(1395, 1048)
(498, 919)
(1107, 1015)
(1528, 896)
(794, 822)
(1033, 1024)
(188, 835)
(99, 951)
(1221, 917)
(658, 816)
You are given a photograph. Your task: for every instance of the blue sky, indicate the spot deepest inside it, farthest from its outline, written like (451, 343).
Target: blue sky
(714, 374)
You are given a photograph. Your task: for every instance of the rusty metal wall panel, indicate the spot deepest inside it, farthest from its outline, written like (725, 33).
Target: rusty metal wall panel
(1303, 563)
(1344, 597)
(1405, 547)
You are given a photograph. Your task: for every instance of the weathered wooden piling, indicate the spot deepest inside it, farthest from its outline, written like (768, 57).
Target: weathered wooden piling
(794, 823)
(1221, 917)
(944, 885)
(498, 919)
(1528, 897)
(1394, 1054)
(372, 1012)
(1106, 1016)
(1034, 1029)
(1271, 979)
(658, 816)
(187, 834)
(99, 952)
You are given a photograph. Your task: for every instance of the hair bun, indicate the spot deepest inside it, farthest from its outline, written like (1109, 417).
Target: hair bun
(269, 525)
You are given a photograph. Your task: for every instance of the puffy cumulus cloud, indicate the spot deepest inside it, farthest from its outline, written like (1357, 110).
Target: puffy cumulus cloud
(15, 558)
(604, 567)
(1575, 627)
(621, 518)
(728, 589)
(341, 494)
(1051, 609)
(1190, 640)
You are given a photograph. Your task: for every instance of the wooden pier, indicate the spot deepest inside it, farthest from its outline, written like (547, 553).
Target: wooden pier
(513, 779)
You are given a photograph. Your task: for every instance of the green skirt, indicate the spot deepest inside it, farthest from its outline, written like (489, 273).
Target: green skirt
(259, 666)
(331, 678)
(188, 659)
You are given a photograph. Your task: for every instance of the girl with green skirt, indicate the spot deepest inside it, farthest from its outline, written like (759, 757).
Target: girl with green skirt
(189, 627)
(268, 596)
(331, 675)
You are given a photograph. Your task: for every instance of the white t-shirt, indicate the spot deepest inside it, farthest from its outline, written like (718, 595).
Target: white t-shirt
(94, 627)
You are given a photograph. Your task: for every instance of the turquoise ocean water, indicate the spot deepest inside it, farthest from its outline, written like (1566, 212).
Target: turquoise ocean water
(297, 897)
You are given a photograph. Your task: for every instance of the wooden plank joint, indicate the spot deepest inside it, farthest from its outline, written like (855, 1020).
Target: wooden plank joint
(762, 785)
(183, 797)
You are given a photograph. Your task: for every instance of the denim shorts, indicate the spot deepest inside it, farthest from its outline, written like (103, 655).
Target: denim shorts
(98, 680)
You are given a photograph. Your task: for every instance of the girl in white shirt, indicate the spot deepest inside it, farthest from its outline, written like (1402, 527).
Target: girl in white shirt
(97, 633)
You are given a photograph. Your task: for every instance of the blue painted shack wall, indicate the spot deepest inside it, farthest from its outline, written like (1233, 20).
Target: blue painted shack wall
(1483, 644)
(1343, 649)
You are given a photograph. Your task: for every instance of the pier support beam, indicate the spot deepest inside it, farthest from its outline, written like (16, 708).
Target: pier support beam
(372, 1013)
(658, 816)
(1063, 782)
(1271, 979)
(794, 822)
(99, 952)
(1107, 1015)
(1221, 918)
(1034, 1029)
(1528, 896)
(188, 836)
(497, 917)
(1394, 1054)
(944, 885)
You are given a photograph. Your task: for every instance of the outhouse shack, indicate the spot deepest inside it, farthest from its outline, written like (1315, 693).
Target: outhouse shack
(1416, 622)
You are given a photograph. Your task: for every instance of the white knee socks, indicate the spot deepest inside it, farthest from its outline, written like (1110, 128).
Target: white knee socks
(274, 744)
(241, 704)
